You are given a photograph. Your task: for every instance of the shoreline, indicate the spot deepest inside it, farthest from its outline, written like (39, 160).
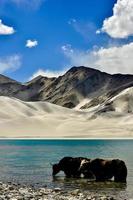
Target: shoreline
(65, 138)
(14, 191)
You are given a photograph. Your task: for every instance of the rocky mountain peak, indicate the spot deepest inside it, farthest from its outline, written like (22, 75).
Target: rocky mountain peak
(81, 69)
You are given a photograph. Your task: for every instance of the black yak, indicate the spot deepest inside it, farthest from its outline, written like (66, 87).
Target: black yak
(105, 169)
(70, 166)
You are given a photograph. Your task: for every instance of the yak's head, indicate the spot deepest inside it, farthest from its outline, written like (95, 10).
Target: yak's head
(56, 169)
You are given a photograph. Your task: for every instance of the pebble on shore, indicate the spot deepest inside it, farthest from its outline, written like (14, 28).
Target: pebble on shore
(12, 191)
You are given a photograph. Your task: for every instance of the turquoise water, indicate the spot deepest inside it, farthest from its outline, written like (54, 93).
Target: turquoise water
(28, 162)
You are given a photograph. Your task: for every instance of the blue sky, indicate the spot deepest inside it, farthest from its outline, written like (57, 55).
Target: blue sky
(61, 33)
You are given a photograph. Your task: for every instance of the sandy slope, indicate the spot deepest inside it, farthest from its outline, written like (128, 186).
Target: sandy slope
(42, 119)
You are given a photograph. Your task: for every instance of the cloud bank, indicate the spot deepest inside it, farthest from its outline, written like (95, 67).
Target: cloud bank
(117, 59)
(120, 25)
(6, 30)
(10, 63)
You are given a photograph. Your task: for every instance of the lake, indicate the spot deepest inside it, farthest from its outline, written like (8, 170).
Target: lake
(28, 162)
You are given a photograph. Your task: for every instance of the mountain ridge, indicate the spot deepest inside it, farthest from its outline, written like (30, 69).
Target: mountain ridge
(69, 89)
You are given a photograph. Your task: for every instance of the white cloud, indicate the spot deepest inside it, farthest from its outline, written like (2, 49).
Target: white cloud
(78, 57)
(115, 59)
(47, 73)
(112, 60)
(6, 30)
(31, 43)
(98, 31)
(10, 63)
(120, 25)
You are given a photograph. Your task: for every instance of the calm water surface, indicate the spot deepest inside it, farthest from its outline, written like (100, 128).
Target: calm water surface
(28, 162)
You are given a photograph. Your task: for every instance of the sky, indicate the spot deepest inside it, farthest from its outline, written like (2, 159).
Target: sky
(47, 37)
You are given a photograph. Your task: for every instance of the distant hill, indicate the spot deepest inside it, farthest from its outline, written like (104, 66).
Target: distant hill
(70, 89)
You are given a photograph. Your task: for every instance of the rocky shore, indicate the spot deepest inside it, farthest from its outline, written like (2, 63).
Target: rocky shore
(11, 191)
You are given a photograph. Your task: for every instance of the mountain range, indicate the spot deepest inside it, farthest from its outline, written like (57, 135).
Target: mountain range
(80, 87)
(84, 102)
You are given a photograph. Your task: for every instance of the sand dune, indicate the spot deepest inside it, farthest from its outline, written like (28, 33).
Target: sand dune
(42, 119)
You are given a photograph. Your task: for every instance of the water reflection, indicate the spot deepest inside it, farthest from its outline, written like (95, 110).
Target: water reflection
(89, 184)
